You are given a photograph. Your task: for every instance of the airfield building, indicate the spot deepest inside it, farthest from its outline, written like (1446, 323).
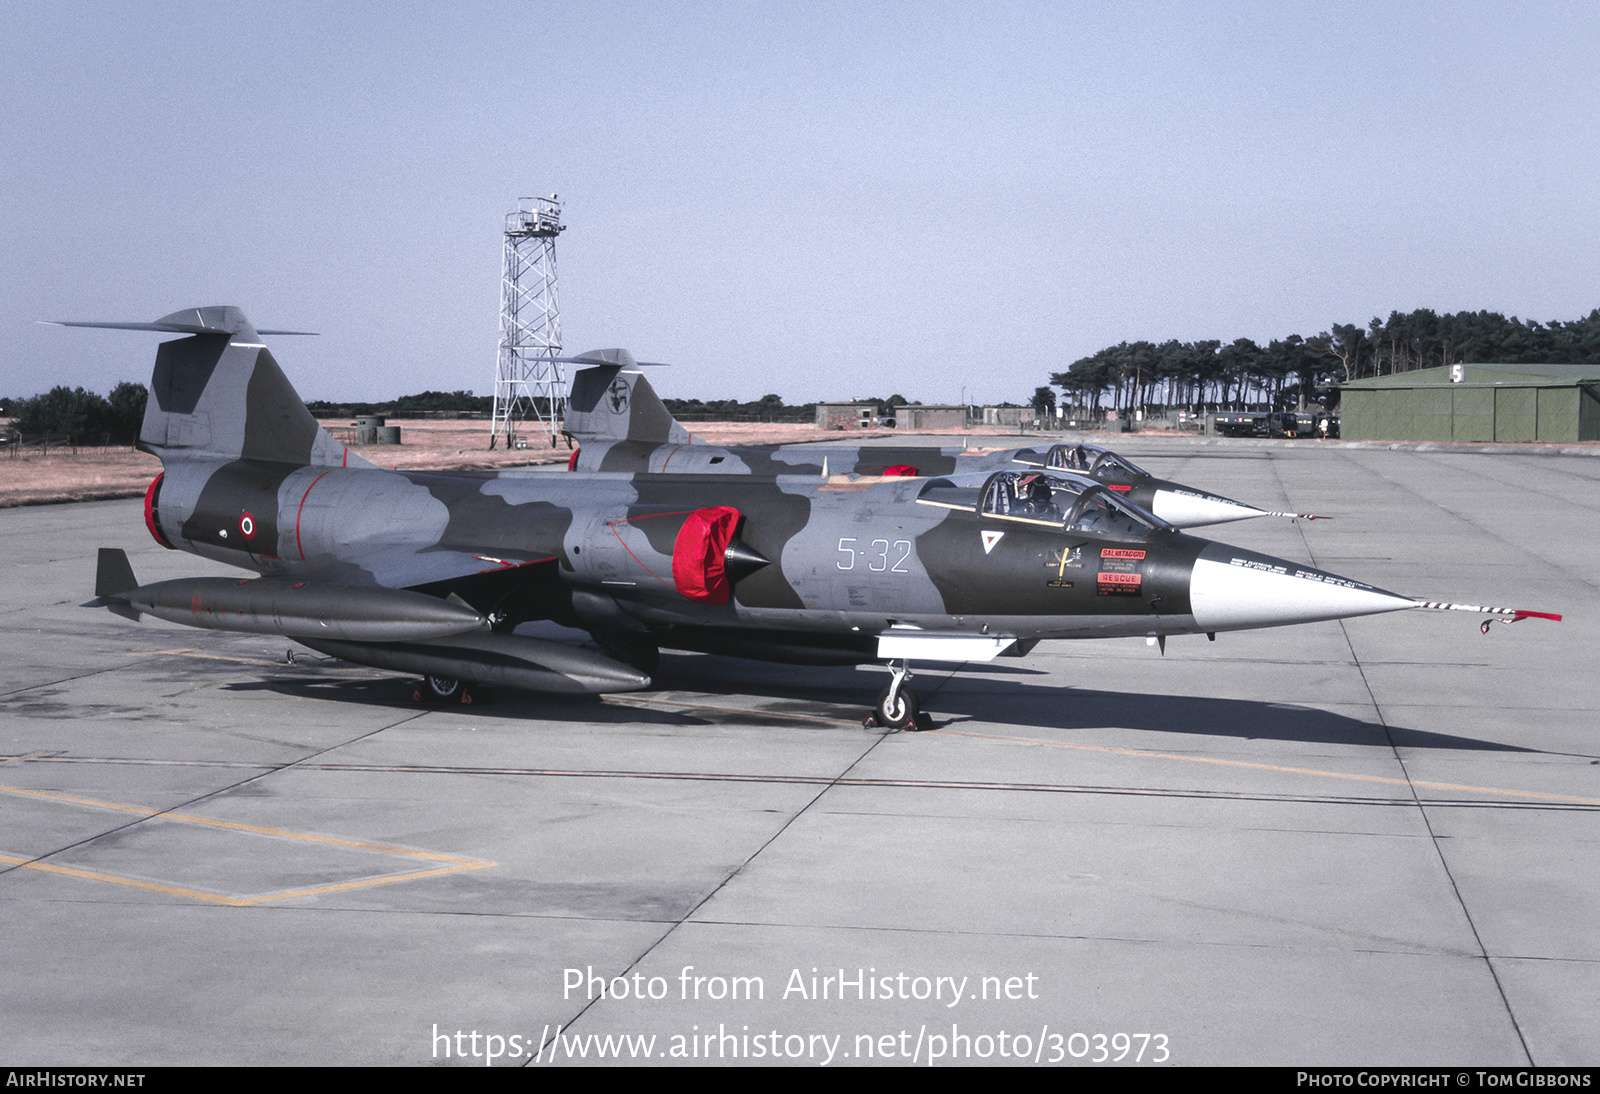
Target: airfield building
(1481, 402)
(847, 415)
(917, 416)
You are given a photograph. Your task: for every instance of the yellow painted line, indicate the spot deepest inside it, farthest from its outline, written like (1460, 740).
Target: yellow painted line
(366, 883)
(456, 863)
(91, 875)
(212, 822)
(1275, 767)
(233, 901)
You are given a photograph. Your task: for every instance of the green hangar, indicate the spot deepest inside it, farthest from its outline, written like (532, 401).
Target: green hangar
(1480, 402)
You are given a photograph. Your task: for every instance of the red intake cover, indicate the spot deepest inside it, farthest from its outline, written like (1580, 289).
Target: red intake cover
(900, 471)
(697, 557)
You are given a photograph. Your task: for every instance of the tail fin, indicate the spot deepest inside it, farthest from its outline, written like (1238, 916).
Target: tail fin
(114, 573)
(113, 577)
(220, 394)
(612, 401)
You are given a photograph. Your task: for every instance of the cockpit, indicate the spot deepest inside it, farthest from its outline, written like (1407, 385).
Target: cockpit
(1091, 459)
(1065, 501)
(1031, 495)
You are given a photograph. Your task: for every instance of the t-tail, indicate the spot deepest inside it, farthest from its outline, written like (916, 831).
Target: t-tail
(218, 394)
(229, 429)
(613, 404)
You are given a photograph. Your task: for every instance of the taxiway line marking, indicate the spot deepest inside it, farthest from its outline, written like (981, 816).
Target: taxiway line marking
(1568, 799)
(233, 901)
(236, 826)
(115, 879)
(255, 829)
(364, 883)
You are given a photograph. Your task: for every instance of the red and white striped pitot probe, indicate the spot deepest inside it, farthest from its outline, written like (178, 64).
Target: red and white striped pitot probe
(1483, 609)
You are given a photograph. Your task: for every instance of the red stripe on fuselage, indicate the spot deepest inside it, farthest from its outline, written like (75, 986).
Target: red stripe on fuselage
(302, 508)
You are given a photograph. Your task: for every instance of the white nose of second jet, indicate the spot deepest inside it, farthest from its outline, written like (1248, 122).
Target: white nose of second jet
(1191, 509)
(1231, 589)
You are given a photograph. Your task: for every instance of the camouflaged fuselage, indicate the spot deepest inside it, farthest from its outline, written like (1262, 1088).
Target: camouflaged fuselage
(853, 556)
(809, 567)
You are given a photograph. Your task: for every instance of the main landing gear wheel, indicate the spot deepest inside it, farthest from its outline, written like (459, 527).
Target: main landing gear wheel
(441, 688)
(447, 689)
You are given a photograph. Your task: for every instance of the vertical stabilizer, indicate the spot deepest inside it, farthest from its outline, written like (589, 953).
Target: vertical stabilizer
(612, 401)
(218, 394)
(114, 573)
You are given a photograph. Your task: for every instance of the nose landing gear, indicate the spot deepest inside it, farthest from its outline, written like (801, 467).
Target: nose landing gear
(898, 707)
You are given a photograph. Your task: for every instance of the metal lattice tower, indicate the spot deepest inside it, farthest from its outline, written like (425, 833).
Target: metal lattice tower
(529, 384)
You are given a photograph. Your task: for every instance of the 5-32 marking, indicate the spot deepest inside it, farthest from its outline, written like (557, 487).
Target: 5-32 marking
(878, 555)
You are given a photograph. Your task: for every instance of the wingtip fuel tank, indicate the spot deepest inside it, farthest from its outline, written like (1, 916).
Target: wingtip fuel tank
(288, 606)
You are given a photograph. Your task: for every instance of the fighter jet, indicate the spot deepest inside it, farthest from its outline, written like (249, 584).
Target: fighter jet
(430, 573)
(620, 424)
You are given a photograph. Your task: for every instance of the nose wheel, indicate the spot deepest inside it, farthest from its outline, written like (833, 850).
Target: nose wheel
(898, 707)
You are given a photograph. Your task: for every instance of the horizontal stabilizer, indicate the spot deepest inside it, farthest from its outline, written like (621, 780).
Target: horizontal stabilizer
(217, 319)
(619, 357)
(169, 328)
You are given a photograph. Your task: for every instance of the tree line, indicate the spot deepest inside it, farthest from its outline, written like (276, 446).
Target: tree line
(1201, 375)
(1209, 374)
(81, 416)
(408, 406)
(768, 408)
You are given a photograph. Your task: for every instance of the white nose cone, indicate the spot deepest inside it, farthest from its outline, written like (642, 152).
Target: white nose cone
(1191, 509)
(1231, 589)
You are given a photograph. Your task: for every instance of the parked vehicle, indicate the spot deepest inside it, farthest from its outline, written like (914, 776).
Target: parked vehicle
(1240, 423)
(1291, 423)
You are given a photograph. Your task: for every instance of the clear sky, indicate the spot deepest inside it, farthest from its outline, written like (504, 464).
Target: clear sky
(818, 200)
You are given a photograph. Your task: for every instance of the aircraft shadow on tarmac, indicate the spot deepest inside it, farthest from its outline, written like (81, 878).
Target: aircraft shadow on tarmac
(710, 690)
(967, 697)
